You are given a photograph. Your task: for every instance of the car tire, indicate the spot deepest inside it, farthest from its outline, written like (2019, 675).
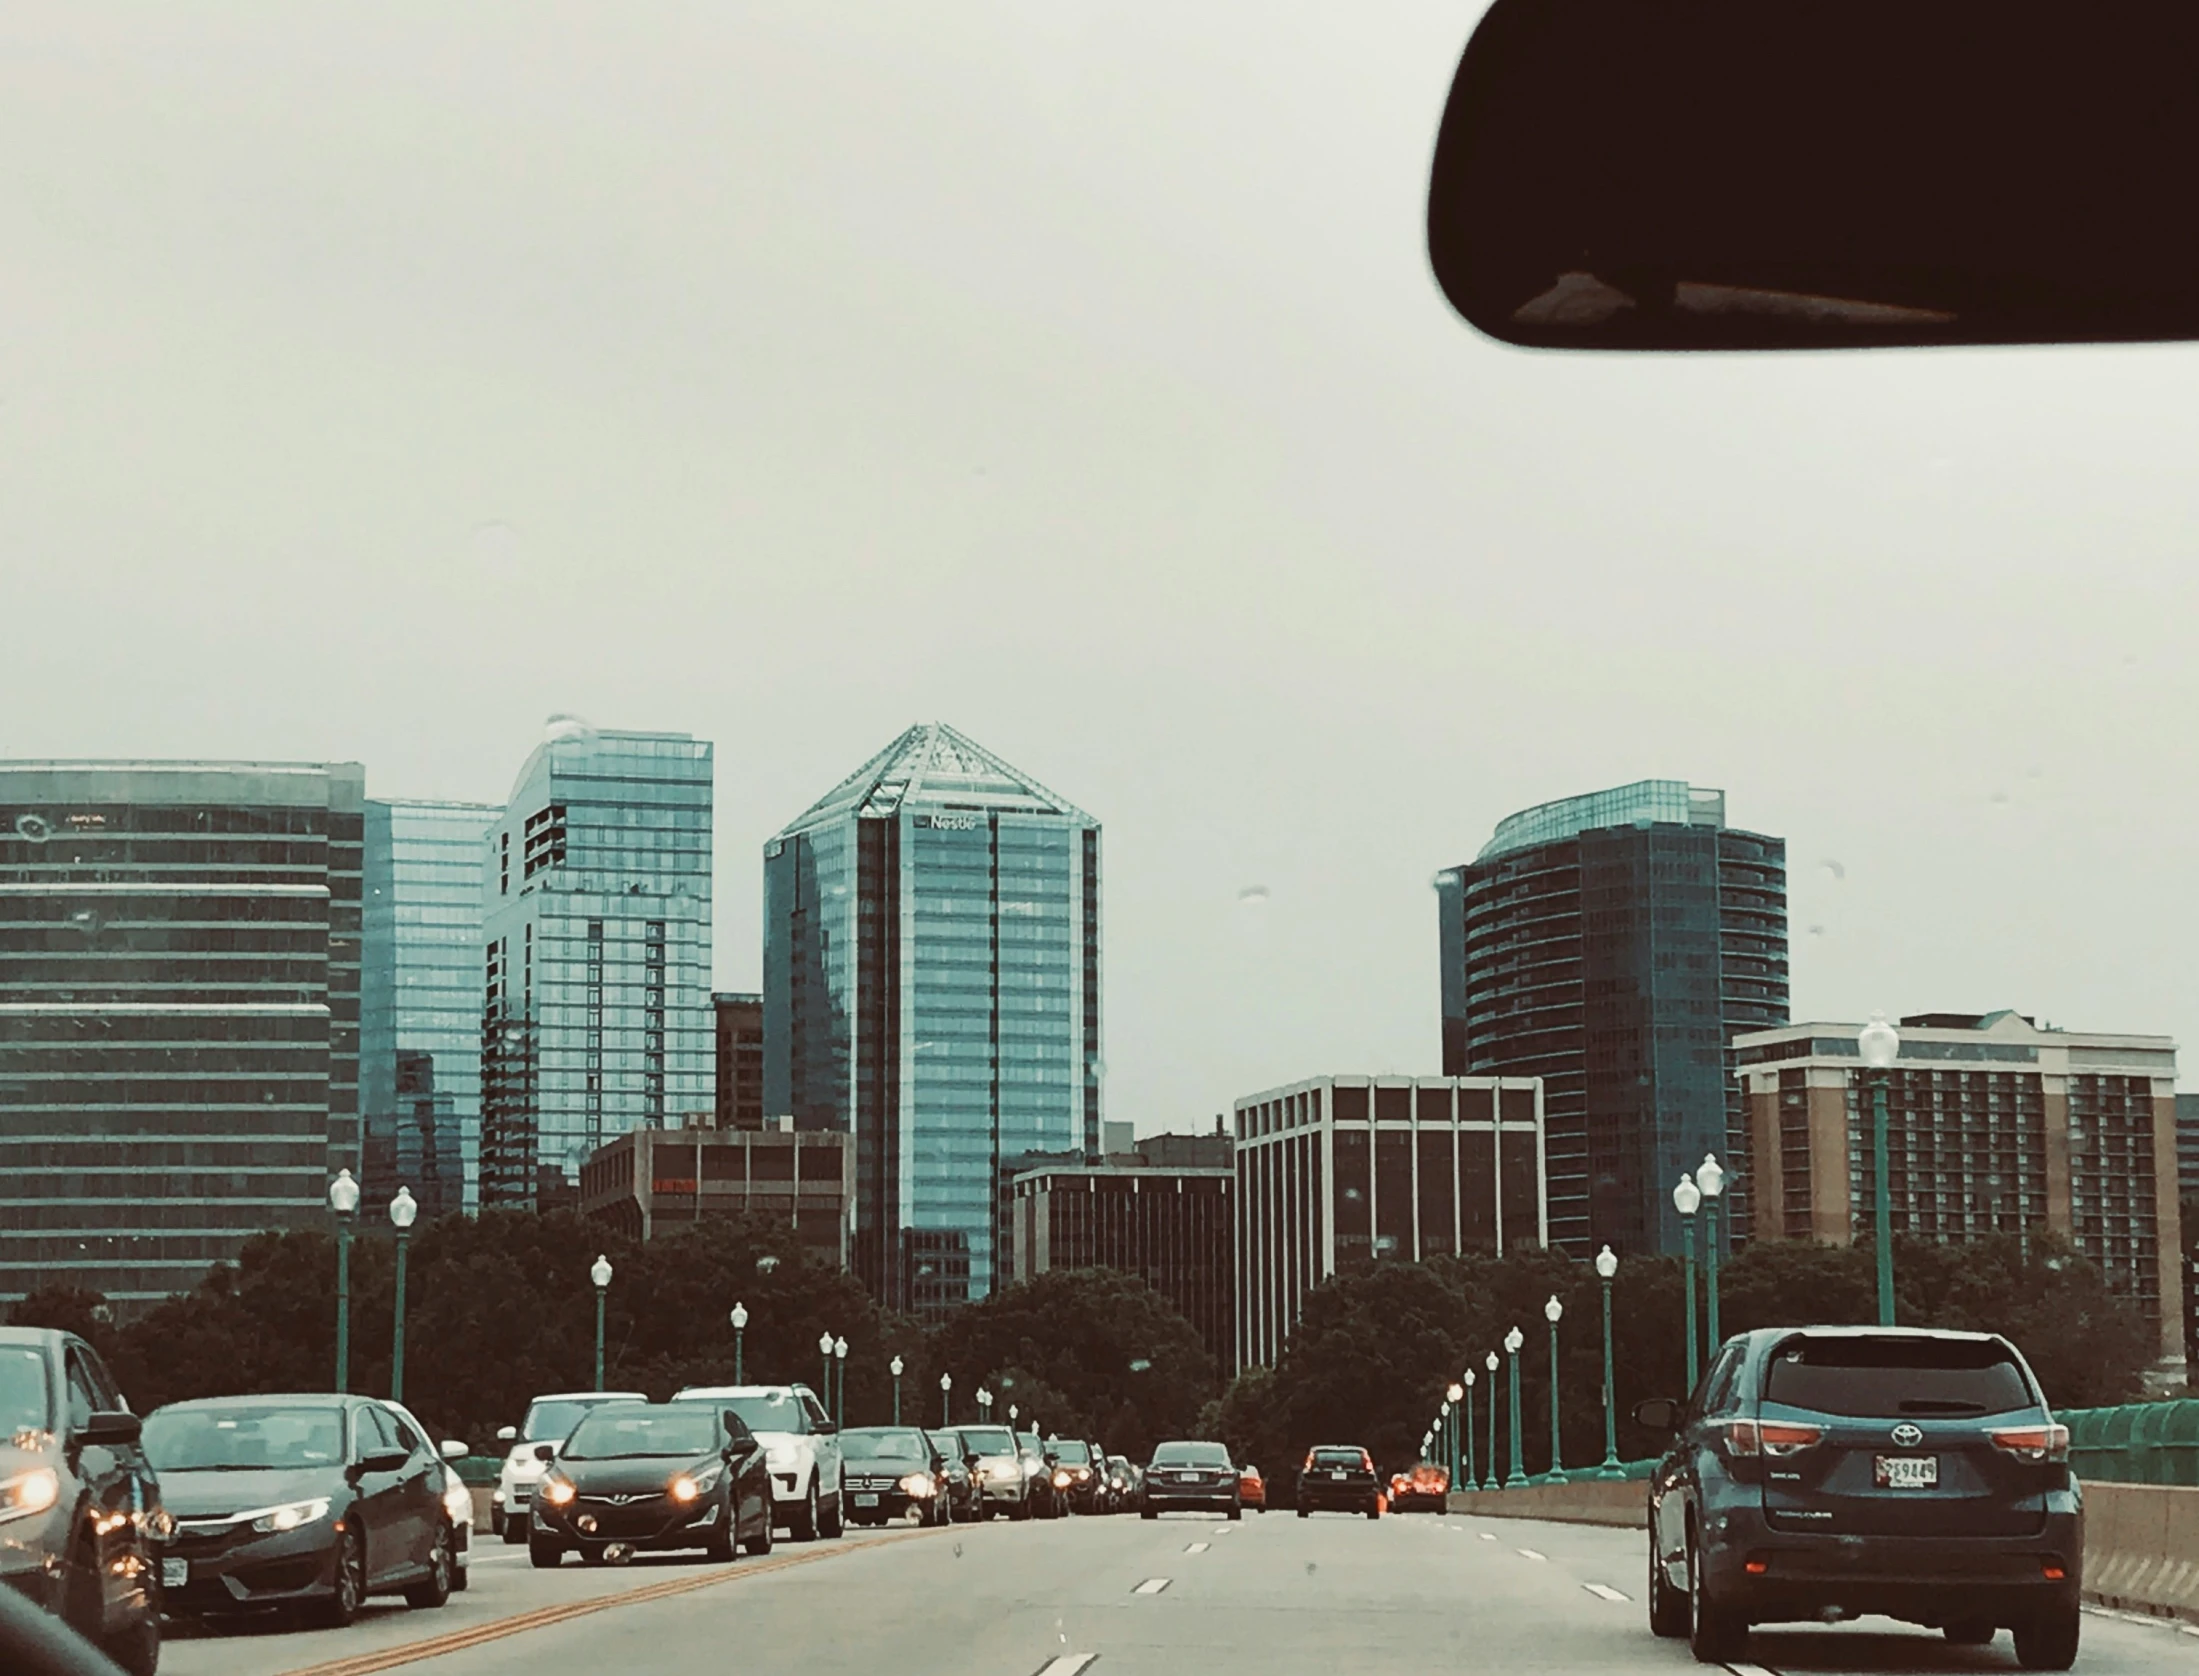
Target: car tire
(1667, 1605)
(433, 1590)
(760, 1544)
(341, 1609)
(1305, 1513)
(136, 1650)
(2049, 1641)
(1237, 1512)
(461, 1579)
(514, 1531)
(1971, 1632)
(1715, 1634)
(1149, 1513)
(719, 1546)
(835, 1523)
(544, 1552)
(802, 1525)
(1374, 1508)
(496, 1521)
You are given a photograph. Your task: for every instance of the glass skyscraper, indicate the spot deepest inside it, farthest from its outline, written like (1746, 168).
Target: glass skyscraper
(1614, 945)
(596, 1016)
(179, 1014)
(420, 998)
(932, 986)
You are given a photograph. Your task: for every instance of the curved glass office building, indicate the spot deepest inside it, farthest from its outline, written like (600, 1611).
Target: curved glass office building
(1613, 945)
(932, 986)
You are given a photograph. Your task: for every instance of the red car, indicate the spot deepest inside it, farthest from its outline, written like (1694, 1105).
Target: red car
(1426, 1485)
(1251, 1488)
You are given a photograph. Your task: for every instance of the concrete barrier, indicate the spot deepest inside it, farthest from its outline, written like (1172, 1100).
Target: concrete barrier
(2141, 1541)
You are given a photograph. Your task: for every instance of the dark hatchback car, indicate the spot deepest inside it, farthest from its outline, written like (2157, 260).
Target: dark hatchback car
(892, 1471)
(311, 1502)
(1339, 1478)
(1825, 1472)
(1190, 1475)
(653, 1477)
(80, 1510)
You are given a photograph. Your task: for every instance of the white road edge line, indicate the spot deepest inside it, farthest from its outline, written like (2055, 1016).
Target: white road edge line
(1197, 1547)
(1531, 1554)
(1604, 1591)
(1151, 1586)
(1066, 1664)
(1749, 1670)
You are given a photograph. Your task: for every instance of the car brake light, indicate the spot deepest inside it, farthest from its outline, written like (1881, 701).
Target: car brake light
(2052, 1572)
(1750, 1438)
(2033, 1443)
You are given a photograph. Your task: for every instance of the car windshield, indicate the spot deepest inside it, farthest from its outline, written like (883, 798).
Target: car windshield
(876, 1444)
(553, 1421)
(989, 1440)
(1891, 1377)
(1071, 1453)
(1191, 1455)
(619, 1432)
(772, 1411)
(182, 1438)
(25, 1405)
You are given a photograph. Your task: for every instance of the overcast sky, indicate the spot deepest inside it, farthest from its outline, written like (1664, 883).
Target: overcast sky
(377, 380)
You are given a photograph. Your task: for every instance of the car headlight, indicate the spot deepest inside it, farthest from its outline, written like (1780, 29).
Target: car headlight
(29, 1492)
(1061, 1479)
(291, 1515)
(919, 1484)
(691, 1486)
(1034, 1469)
(458, 1503)
(1002, 1472)
(557, 1491)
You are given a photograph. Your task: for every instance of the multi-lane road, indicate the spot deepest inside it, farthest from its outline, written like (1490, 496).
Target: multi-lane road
(1331, 1596)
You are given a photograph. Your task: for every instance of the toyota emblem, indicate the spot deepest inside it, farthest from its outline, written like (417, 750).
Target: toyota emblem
(1908, 1436)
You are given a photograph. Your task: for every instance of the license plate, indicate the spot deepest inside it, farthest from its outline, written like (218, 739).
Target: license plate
(1187, 1478)
(866, 1501)
(174, 1573)
(1338, 1474)
(1906, 1472)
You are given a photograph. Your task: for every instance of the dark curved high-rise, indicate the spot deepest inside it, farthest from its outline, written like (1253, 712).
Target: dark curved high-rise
(1613, 945)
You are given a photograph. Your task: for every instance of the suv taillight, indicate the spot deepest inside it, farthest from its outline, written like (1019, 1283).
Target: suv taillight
(1747, 1439)
(2033, 1443)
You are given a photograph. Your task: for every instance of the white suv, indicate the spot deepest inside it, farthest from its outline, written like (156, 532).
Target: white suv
(550, 1419)
(801, 1446)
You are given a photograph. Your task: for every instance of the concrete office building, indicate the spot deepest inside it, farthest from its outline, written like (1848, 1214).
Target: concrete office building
(179, 1014)
(596, 1014)
(651, 1181)
(1995, 1125)
(420, 1000)
(932, 987)
(1613, 945)
(740, 1060)
(1339, 1172)
(1143, 1212)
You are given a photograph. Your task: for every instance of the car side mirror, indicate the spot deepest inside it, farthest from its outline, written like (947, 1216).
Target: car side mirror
(507, 1434)
(383, 1460)
(454, 1450)
(110, 1428)
(1658, 1414)
(545, 1451)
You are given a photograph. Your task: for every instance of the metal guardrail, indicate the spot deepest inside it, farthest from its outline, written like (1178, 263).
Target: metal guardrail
(2136, 1443)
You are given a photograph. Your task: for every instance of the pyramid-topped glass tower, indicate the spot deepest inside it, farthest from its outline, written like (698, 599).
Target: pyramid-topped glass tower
(932, 987)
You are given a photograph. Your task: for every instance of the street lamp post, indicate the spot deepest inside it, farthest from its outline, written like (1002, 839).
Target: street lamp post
(1013, 1411)
(824, 1350)
(1516, 1479)
(1469, 1429)
(402, 1211)
(343, 1199)
(740, 1326)
(600, 1272)
(946, 1386)
(984, 1406)
(1711, 1179)
(1551, 1312)
(1879, 1045)
(1686, 1199)
(1489, 1478)
(1607, 1266)
(840, 1382)
(1456, 1395)
(894, 1367)
(1445, 1424)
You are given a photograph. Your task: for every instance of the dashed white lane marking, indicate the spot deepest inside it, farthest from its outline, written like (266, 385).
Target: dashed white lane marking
(1488, 1536)
(1530, 1554)
(1604, 1591)
(1151, 1586)
(1065, 1664)
(1196, 1547)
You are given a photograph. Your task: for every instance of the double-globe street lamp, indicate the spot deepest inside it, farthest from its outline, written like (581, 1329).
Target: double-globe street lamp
(600, 1272)
(946, 1396)
(895, 1367)
(1687, 1198)
(1552, 1312)
(1441, 1431)
(1516, 1479)
(1467, 1430)
(840, 1382)
(343, 1199)
(1880, 1044)
(1607, 1266)
(739, 1318)
(1710, 1177)
(403, 1210)
(1489, 1482)
(1455, 1396)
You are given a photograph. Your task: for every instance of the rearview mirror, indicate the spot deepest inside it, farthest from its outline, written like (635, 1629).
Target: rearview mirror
(384, 1460)
(507, 1434)
(453, 1450)
(545, 1451)
(1657, 1414)
(1724, 174)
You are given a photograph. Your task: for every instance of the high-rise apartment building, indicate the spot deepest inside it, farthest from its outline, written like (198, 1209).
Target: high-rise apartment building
(932, 986)
(654, 1181)
(1994, 1125)
(1339, 1172)
(1614, 945)
(596, 1015)
(420, 998)
(179, 1014)
(740, 1060)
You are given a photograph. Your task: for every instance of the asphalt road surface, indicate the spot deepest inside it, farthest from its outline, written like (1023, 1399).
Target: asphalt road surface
(1272, 1596)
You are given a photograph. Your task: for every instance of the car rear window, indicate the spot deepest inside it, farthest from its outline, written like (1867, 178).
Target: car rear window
(1338, 1458)
(1880, 1377)
(1190, 1455)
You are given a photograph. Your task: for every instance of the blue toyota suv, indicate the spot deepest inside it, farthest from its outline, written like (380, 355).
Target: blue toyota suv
(1825, 1472)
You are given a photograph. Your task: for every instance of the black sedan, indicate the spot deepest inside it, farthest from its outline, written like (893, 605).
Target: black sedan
(1339, 1478)
(80, 1509)
(310, 1502)
(1199, 1476)
(638, 1476)
(894, 1470)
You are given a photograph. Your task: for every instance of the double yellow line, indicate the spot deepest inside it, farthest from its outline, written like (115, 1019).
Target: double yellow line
(389, 1658)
